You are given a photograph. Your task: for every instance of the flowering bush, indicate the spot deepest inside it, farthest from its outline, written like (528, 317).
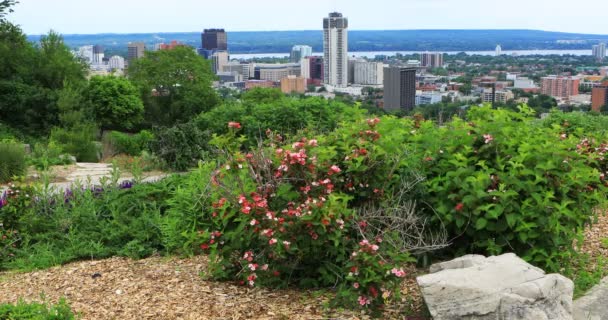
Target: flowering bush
(501, 182)
(282, 216)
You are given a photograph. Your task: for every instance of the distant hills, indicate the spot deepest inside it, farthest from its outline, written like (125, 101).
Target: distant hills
(359, 40)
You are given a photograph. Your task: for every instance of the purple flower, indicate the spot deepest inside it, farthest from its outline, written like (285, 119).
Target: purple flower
(127, 184)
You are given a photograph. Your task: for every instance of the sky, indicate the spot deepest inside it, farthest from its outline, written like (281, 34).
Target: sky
(151, 16)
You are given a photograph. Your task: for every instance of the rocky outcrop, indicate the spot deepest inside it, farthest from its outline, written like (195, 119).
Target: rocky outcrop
(498, 287)
(594, 305)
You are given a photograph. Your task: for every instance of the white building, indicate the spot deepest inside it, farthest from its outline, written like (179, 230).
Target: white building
(235, 66)
(305, 68)
(218, 60)
(524, 83)
(498, 50)
(335, 50)
(86, 53)
(368, 73)
(276, 71)
(299, 52)
(423, 98)
(599, 51)
(117, 63)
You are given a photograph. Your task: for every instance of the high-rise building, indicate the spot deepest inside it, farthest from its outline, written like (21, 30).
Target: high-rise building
(368, 73)
(135, 50)
(98, 54)
(300, 52)
(399, 88)
(238, 67)
(117, 63)
(335, 50)
(219, 59)
(214, 39)
(312, 69)
(599, 51)
(432, 59)
(498, 50)
(599, 96)
(276, 71)
(497, 96)
(559, 86)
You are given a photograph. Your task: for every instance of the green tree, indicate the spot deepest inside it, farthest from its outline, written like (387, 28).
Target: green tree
(175, 85)
(263, 95)
(115, 102)
(5, 7)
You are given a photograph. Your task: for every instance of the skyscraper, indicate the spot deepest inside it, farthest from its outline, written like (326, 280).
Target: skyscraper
(98, 54)
(335, 50)
(399, 88)
(498, 50)
(214, 39)
(599, 97)
(599, 51)
(135, 50)
(300, 52)
(432, 59)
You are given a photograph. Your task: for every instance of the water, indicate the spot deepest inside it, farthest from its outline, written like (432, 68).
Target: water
(372, 54)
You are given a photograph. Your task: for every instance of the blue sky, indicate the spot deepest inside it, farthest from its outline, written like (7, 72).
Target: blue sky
(136, 16)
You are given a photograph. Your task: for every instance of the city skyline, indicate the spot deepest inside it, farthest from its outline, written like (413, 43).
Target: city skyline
(139, 16)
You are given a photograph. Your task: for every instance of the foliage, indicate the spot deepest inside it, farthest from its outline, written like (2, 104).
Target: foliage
(37, 311)
(133, 144)
(78, 141)
(175, 85)
(181, 146)
(45, 155)
(501, 183)
(115, 102)
(12, 160)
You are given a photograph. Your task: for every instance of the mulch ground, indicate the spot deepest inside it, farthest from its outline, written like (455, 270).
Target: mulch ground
(172, 288)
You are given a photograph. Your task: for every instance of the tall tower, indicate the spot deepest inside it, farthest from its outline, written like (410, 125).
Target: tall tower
(215, 39)
(335, 50)
(399, 88)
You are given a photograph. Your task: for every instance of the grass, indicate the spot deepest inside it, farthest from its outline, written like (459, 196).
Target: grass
(37, 311)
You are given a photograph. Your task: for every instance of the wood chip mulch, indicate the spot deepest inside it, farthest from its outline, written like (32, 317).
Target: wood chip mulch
(172, 288)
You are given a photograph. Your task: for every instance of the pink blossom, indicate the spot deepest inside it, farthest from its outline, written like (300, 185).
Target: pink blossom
(364, 243)
(234, 125)
(252, 266)
(265, 267)
(272, 241)
(286, 243)
(488, 138)
(312, 143)
(363, 300)
(356, 285)
(254, 222)
(334, 169)
(399, 273)
(375, 247)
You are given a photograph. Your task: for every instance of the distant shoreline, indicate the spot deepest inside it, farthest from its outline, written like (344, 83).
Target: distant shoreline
(372, 54)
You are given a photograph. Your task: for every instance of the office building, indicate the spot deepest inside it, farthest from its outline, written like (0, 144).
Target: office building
(368, 73)
(86, 54)
(218, 60)
(241, 68)
(300, 52)
(276, 71)
(498, 50)
(98, 54)
(499, 96)
(599, 96)
(116, 63)
(135, 50)
(432, 59)
(599, 51)
(293, 84)
(335, 50)
(399, 88)
(312, 69)
(424, 98)
(214, 39)
(559, 86)
(230, 77)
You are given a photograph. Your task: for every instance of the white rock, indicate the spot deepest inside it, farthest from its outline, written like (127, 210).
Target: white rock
(593, 305)
(498, 287)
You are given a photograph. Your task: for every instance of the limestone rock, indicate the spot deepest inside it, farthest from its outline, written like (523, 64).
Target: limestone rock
(497, 287)
(593, 305)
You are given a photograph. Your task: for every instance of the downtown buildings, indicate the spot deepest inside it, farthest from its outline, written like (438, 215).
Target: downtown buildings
(300, 52)
(560, 86)
(399, 88)
(599, 97)
(335, 50)
(431, 59)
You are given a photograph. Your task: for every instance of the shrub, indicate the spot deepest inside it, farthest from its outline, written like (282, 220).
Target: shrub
(280, 217)
(78, 142)
(12, 160)
(180, 146)
(45, 155)
(37, 311)
(501, 182)
(131, 145)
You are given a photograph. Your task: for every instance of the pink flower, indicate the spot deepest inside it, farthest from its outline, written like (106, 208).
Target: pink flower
(399, 273)
(363, 300)
(312, 143)
(488, 138)
(272, 241)
(234, 125)
(363, 243)
(268, 232)
(248, 256)
(253, 222)
(265, 267)
(375, 247)
(356, 285)
(252, 266)
(286, 243)
(334, 169)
